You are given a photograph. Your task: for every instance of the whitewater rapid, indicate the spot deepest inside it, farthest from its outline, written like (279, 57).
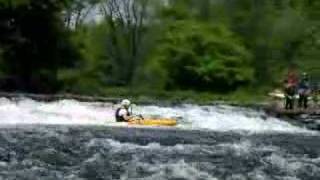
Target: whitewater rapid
(193, 117)
(107, 153)
(72, 140)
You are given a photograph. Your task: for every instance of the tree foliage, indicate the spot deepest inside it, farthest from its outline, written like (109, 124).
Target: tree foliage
(34, 44)
(199, 56)
(207, 45)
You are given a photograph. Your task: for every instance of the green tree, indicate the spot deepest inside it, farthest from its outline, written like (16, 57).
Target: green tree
(93, 71)
(35, 44)
(127, 41)
(200, 56)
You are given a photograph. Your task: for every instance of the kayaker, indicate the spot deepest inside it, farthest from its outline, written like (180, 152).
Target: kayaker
(304, 91)
(122, 113)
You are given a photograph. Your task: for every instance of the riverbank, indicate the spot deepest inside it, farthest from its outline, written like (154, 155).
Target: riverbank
(240, 97)
(162, 98)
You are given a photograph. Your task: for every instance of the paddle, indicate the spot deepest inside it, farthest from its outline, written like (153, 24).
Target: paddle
(136, 117)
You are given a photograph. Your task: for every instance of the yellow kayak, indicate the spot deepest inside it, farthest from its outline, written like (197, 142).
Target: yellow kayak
(154, 122)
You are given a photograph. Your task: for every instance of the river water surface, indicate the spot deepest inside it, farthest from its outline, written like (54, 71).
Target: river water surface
(76, 140)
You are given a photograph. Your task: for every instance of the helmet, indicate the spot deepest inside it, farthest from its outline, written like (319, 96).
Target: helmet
(125, 103)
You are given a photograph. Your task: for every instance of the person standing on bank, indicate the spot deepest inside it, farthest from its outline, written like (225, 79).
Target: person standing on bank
(290, 85)
(304, 91)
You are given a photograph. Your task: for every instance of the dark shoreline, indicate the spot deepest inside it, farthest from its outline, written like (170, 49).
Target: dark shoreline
(115, 100)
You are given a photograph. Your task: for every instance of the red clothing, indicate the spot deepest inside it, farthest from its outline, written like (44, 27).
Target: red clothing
(292, 79)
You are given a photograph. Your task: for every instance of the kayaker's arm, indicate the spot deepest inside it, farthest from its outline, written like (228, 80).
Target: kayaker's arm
(127, 118)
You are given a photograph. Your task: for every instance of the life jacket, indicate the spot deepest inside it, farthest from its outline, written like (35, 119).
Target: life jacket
(121, 118)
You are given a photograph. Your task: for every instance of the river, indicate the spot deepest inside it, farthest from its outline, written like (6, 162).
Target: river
(76, 140)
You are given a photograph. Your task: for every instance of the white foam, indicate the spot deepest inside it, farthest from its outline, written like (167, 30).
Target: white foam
(71, 112)
(222, 118)
(290, 164)
(177, 170)
(66, 112)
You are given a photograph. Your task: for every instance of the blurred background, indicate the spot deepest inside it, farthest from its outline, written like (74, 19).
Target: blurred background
(162, 48)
